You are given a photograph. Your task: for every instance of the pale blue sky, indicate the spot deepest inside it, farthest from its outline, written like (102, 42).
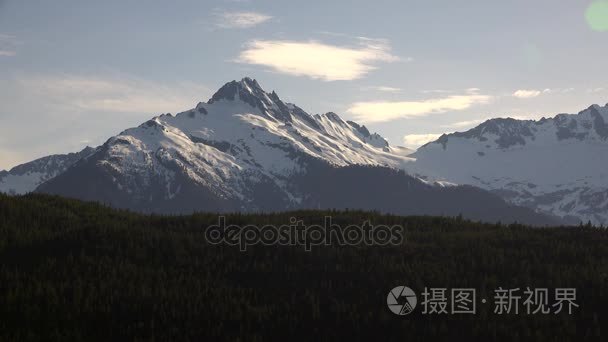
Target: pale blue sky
(75, 72)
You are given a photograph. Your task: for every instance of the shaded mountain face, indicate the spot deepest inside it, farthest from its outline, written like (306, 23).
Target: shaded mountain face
(557, 165)
(26, 177)
(246, 150)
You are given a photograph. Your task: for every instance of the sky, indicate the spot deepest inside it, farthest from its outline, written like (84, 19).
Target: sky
(76, 72)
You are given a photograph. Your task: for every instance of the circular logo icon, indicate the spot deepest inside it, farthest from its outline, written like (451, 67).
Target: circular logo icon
(401, 300)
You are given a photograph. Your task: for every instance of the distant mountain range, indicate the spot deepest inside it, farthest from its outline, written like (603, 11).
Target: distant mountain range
(247, 150)
(26, 178)
(557, 166)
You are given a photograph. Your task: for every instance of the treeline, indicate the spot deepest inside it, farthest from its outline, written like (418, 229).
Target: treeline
(71, 270)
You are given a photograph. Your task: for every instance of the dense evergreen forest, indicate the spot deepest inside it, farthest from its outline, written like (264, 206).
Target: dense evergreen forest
(72, 270)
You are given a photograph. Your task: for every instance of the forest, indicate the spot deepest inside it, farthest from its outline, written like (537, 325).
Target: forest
(72, 270)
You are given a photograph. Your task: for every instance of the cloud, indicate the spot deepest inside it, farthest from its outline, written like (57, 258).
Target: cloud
(380, 111)
(436, 91)
(417, 140)
(230, 20)
(526, 94)
(384, 89)
(116, 93)
(464, 124)
(531, 93)
(558, 90)
(317, 60)
(595, 90)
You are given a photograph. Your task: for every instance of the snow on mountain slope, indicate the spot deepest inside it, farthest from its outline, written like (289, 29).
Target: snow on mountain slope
(557, 165)
(26, 177)
(401, 150)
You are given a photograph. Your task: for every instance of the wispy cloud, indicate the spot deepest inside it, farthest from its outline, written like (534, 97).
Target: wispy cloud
(383, 89)
(558, 90)
(380, 111)
(50, 113)
(8, 44)
(317, 60)
(596, 90)
(464, 124)
(531, 93)
(117, 93)
(436, 91)
(240, 19)
(417, 140)
(527, 93)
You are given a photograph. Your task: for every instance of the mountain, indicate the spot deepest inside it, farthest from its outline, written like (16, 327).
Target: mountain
(557, 165)
(247, 150)
(26, 177)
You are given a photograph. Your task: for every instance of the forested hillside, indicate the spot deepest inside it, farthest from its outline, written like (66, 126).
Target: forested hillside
(71, 270)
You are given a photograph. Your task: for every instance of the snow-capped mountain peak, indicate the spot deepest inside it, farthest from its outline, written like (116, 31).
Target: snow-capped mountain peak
(250, 92)
(241, 138)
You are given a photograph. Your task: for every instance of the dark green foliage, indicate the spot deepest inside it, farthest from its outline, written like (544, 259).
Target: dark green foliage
(71, 270)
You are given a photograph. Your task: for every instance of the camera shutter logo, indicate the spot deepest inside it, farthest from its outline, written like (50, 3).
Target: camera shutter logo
(401, 300)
